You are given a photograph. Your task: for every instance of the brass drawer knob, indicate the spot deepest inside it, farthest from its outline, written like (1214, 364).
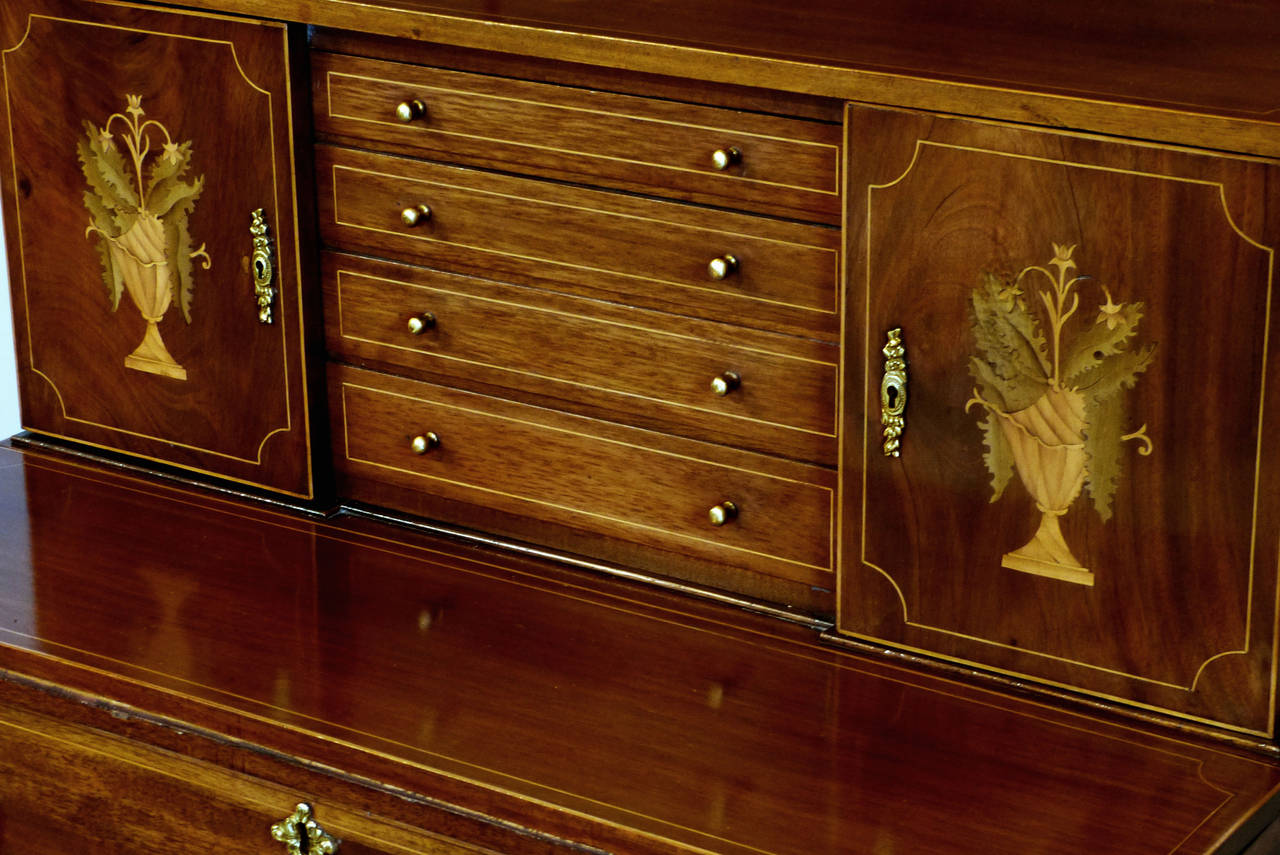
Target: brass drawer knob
(420, 323)
(407, 111)
(722, 267)
(723, 158)
(302, 836)
(424, 442)
(723, 513)
(726, 383)
(412, 216)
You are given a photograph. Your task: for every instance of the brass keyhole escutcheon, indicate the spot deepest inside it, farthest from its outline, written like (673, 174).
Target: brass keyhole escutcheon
(893, 393)
(301, 835)
(264, 291)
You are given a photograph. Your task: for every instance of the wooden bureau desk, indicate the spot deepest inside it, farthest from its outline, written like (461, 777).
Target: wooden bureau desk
(660, 427)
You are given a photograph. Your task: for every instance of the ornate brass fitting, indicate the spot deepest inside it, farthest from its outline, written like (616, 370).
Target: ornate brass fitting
(302, 836)
(263, 267)
(893, 393)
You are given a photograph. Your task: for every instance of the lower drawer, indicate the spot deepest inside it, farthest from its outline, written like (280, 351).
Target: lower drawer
(69, 788)
(614, 481)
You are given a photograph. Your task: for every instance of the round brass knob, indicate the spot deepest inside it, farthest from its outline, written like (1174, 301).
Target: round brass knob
(419, 324)
(723, 513)
(723, 158)
(412, 216)
(407, 111)
(726, 383)
(722, 267)
(422, 443)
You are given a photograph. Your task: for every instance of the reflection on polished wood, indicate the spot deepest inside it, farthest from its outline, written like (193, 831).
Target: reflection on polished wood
(530, 696)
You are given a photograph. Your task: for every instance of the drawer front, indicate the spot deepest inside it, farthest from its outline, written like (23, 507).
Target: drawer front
(68, 788)
(778, 396)
(619, 482)
(785, 166)
(652, 253)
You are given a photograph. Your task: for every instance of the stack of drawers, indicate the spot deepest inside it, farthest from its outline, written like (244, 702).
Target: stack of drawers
(601, 322)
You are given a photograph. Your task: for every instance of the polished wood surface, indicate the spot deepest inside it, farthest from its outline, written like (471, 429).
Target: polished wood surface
(129, 797)
(228, 396)
(602, 477)
(623, 363)
(1176, 69)
(641, 251)
(788, 167)
(1178, 611)
(520, 694)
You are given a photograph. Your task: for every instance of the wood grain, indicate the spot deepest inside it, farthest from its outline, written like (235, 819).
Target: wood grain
(224, 86)
(604, 478)
(1181, 612)
(640, 251)
(625, 364)
(789, 167)
(430, 670)
(1185, 71)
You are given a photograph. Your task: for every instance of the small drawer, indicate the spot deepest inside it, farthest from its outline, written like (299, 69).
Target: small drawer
(788, 167)
(766, 392)
(772, 274)
(615, 481)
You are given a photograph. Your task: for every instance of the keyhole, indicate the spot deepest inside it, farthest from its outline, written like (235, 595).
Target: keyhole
(893, 396)
(304, 840)
(260, 268)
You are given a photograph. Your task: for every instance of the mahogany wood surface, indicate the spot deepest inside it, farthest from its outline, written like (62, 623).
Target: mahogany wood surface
(616, 481)
(231, 400)
(642, 367)
(664, 563)
(607, 715)
(1180, 610)
(597, 77)
(1181, 66)
(640, 251)
(788, 167)
(127, 797)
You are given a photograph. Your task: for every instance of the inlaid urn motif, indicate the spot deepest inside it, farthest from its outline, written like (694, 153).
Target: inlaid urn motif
(1051, 395)
(139, 209)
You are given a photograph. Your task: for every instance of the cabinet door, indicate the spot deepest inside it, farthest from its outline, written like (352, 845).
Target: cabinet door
(1084, 490)
(148, 189)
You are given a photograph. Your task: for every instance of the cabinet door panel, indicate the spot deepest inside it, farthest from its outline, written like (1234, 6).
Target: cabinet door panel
(1082, 493)
(132, 174)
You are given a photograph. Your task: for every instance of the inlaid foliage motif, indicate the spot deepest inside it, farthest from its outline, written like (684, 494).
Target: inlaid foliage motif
(139, 208)
(1051, 394)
